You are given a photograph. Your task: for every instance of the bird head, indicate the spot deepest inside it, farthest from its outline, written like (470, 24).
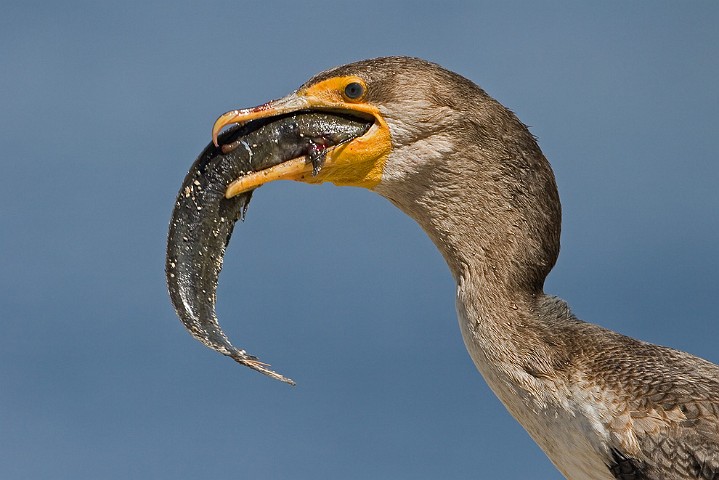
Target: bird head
(416, 108)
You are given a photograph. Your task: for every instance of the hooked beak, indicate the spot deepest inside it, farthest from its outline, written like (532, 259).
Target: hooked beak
(358, 162)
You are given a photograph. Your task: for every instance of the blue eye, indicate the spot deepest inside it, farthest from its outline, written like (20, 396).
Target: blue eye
(354, 90)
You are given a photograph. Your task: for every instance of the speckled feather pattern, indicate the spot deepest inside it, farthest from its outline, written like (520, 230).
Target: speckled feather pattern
(659, 406)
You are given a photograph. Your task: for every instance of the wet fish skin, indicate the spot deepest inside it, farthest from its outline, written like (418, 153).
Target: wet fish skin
(203, 219)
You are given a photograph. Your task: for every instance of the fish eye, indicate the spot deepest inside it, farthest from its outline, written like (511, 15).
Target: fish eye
(354, 90)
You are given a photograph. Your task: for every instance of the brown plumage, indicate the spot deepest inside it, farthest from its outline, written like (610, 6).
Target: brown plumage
(600, 404)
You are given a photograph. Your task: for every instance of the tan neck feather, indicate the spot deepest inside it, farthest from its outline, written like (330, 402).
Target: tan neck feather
(494, 214)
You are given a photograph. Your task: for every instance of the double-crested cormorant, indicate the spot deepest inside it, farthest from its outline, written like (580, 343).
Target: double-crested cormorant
(601, 405)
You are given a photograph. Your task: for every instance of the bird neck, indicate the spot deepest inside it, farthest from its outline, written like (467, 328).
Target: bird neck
(495, 216)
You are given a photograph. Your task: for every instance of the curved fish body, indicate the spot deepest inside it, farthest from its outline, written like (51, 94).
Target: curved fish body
(203, 219)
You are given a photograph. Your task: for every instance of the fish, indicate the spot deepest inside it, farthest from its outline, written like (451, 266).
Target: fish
(203, 219)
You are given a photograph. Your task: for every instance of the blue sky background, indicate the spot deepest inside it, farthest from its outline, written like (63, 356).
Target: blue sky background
(106, 104)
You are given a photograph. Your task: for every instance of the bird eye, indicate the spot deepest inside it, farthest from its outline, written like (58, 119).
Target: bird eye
(354, 90)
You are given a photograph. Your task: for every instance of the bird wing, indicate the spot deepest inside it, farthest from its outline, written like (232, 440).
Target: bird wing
(668, 427)
(676, 449)
(659, 407)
